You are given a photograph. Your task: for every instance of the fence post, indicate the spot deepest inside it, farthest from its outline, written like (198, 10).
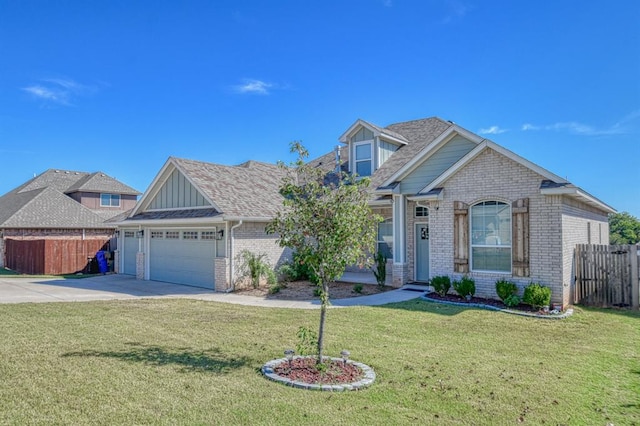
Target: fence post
(635, 282)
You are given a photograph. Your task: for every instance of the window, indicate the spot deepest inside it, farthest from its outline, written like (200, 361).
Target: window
(385, 238)
(110, 200)
(422, 212)
(491, 237)
(172, 235)
(157, 234)
(363, 159)
(208, 235)
(129, 234)
(190, 235)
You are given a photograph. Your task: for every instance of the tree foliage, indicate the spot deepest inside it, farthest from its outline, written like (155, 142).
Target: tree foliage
(327, 221)
(624, 228)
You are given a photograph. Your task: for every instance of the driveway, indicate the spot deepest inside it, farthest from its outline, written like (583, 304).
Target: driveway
(118, 287)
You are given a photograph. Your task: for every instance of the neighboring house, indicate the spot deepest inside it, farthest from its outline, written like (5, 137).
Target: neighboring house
(60, 205)
(453, 204)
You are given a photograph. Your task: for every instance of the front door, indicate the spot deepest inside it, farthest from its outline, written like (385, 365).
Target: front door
(422, 252)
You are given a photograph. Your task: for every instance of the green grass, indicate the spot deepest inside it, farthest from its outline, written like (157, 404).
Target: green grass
(8, 273)
(194, 362)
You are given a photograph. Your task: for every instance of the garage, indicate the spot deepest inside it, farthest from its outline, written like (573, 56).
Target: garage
(128, 252)
(183, 256)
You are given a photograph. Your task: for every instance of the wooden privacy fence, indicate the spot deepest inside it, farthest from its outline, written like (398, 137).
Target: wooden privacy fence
(607, 276)
(51, 257)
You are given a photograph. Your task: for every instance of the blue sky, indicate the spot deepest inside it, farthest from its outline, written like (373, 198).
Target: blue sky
(119, 86)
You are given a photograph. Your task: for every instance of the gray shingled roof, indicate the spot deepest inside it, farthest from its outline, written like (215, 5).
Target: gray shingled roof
(417, 133)
(250, 189)
(41, 202)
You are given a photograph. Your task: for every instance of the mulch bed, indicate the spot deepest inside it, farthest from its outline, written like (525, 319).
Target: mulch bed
(304, 370)
(482, 301)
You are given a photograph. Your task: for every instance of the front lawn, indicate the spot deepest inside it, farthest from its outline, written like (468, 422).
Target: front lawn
(194, 362)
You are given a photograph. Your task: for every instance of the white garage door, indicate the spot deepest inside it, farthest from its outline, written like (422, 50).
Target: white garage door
(129, 250)
(183, 257)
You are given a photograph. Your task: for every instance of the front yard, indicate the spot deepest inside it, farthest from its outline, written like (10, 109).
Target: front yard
(194, 362)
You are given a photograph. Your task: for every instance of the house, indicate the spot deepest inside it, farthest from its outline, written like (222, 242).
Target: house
(194, 220)
(453, 203)
(60, 205)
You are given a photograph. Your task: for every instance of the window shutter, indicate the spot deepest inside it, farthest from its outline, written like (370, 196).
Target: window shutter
(460, 237)
(520, 235)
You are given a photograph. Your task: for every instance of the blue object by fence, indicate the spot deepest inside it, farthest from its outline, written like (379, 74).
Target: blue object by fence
(103, 267)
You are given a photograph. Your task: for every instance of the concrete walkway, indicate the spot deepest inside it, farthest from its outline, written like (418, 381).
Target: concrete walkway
(120, 287)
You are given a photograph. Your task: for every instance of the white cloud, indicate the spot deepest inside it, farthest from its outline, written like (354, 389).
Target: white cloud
(493, 130)
(387, 3)
(456, 9)
(58, 91)
(622, 126)
(252, 86)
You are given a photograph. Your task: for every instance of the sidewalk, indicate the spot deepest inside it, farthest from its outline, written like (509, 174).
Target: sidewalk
(121, 287)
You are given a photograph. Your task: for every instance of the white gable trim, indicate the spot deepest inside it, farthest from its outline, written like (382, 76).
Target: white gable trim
(377, 132)
(166, 170)
(431, 149)
(487, 144)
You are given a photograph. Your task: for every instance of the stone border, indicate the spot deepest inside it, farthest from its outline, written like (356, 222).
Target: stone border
(366, 381)
(563, 315)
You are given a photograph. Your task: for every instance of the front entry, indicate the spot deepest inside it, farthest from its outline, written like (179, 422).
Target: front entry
(422, 252)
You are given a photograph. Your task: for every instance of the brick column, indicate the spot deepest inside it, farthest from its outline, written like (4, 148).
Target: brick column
(221, 265)
(400, 274)
(140, 265)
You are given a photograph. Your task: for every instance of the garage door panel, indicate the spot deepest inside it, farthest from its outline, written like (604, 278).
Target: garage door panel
(182, 261)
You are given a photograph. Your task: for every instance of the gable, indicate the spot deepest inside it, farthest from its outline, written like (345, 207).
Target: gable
(436, 164)
(177, 192)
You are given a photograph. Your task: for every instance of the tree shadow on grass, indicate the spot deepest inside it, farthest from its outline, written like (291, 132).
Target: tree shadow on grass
(211, 360)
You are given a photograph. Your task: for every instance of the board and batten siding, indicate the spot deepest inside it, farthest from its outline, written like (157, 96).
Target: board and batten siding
(386, 149)
(177, 192)
(436, 164)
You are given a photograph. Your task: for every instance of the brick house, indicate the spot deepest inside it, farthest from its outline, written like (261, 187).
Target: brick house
(454, 204)
(59, 205)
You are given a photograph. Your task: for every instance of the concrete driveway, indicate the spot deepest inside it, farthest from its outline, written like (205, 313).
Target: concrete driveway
(117, 287)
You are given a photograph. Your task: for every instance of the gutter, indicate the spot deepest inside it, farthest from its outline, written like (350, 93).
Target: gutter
(231, 257)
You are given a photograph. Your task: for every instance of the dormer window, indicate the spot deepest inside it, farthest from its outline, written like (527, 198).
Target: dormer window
(364, 157)
(110, 200)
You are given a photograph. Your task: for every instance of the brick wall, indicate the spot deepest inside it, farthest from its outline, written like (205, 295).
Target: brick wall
(253, 237)
(581, 224)
(492, 176)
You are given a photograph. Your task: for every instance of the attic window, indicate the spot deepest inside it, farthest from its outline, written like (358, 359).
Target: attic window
(110, 200)
(363, 157)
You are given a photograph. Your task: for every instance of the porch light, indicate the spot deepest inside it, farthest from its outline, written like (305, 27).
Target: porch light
(140, 233)
(220, 234)
(117, 233)
(345, 355)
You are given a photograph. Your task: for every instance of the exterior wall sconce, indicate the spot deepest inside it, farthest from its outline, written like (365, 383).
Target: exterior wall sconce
(140, 233)
(117, 233)
(220, 234)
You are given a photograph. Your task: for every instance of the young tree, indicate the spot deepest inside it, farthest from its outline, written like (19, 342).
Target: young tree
(624, 228)
(327, 221)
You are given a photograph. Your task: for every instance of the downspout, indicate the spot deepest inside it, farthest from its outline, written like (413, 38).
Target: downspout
(231, 236)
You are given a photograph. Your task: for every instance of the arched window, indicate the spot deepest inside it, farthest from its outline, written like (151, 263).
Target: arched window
(385, 238)
(491, 237)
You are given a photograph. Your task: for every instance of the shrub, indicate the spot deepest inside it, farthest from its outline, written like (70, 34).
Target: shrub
(511, 301)
(537, 295)
(380, 269)
(255, 267)
(505, 289)
(275, 289)
(307, 341)
(465, 287)
(441, 284)
(317, 292)
(357, 288)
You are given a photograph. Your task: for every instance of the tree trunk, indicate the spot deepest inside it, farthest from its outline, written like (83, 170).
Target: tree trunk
(323, 315)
